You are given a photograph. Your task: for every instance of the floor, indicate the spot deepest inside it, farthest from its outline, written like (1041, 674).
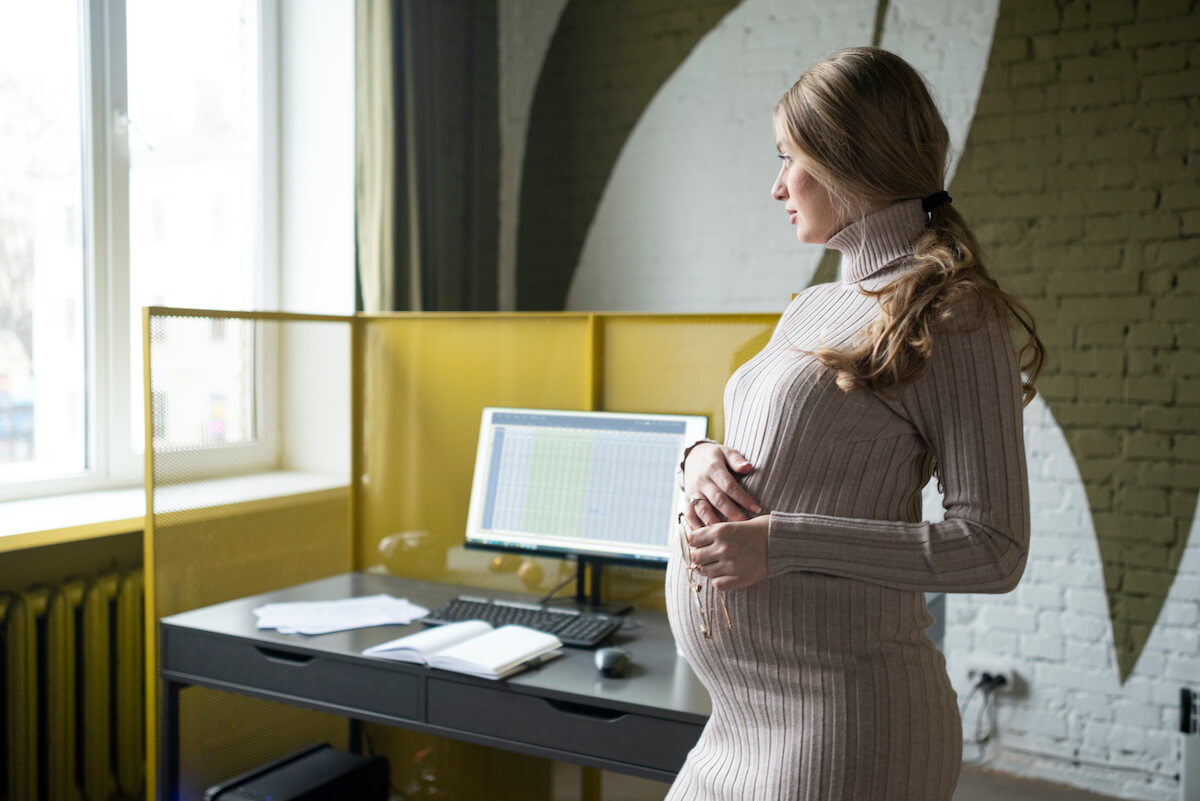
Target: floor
(974, 784)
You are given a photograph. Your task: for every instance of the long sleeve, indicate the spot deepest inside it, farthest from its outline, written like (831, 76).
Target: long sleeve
(967, 408)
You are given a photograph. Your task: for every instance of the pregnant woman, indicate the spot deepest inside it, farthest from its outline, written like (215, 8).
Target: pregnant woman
(797, 590)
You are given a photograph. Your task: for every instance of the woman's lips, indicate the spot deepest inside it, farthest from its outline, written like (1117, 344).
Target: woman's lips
(791, 217)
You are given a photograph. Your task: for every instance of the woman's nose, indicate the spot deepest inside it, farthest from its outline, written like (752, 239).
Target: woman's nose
(779, 188)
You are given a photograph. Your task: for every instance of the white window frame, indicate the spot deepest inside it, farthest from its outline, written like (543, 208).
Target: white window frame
(111, 461)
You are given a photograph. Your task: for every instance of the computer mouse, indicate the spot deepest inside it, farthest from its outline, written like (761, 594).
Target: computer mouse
(612, 662)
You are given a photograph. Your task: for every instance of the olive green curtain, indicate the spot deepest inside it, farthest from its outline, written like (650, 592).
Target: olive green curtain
(428, 154)
(374, 155)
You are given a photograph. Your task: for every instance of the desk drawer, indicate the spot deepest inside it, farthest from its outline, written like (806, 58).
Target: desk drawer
(341, 685)
(592, 731)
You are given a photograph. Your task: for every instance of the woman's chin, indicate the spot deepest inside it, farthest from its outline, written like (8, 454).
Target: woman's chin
(808, 237)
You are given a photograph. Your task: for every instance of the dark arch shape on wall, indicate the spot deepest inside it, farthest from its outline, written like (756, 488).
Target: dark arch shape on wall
(605, 63)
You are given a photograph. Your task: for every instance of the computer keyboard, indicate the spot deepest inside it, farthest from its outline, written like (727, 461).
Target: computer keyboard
(574, 628)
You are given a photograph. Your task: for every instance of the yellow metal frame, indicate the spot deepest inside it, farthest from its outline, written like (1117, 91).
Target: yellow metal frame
(150, 619)
(357, 371)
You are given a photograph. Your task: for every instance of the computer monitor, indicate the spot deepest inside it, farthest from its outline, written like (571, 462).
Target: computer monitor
(595, 486)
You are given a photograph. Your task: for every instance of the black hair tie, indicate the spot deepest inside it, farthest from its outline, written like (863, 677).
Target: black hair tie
(936, 199)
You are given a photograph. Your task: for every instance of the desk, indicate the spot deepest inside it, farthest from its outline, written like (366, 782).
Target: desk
(642, 725)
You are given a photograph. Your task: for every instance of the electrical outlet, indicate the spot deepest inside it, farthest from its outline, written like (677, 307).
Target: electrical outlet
(1001, 679)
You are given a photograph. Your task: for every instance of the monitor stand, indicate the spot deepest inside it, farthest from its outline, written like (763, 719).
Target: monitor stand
(587, 590)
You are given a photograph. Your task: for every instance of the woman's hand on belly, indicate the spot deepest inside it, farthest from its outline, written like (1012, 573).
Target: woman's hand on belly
(733, 554)
(712, 490)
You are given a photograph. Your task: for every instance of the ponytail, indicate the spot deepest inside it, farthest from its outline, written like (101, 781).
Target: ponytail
(946, 284)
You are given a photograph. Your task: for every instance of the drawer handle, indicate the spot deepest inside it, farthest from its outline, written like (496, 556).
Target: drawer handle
(583, 710)
(284, 657)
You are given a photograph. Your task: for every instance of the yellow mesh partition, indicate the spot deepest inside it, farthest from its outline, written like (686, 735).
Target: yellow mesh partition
(248, 471)
(676, 364)
(427, 379)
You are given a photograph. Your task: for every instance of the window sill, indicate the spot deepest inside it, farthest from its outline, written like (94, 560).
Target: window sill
(90, 515)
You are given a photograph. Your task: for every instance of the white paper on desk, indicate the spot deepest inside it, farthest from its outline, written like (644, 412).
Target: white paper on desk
(322, 617)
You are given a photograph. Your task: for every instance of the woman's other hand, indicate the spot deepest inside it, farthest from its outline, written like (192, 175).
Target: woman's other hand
(732, 555)
(711, 486)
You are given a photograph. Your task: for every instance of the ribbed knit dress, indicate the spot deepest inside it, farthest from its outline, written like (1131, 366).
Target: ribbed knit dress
(828, 688)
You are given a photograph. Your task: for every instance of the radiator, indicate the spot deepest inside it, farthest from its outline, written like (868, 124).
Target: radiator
(73, 696)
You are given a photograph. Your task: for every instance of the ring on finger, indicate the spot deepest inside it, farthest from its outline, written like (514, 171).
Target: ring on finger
(696, 500)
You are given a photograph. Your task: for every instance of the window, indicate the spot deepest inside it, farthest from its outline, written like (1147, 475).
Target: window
(43, 431)
(136, 141)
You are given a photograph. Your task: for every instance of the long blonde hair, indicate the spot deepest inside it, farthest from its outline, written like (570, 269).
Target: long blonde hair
(872, 136)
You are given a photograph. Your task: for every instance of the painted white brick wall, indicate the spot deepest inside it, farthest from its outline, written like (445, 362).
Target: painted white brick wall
(1071, 720)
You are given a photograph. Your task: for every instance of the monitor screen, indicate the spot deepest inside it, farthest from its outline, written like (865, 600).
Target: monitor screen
(593, 484)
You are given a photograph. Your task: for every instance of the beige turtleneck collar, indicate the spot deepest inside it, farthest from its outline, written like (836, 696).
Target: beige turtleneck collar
(877, 240)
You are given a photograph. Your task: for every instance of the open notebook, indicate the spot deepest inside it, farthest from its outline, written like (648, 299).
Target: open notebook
(473, 647)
